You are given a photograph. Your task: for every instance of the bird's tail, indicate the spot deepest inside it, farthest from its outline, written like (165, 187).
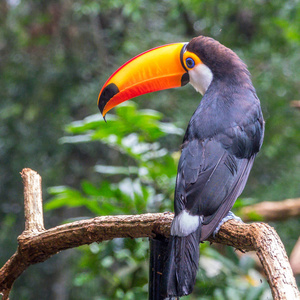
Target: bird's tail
(181, 265)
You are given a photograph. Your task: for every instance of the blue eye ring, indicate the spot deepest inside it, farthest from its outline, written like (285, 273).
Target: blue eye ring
(190, 63)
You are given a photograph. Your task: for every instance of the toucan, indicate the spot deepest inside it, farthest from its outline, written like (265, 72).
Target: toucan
(221, 142)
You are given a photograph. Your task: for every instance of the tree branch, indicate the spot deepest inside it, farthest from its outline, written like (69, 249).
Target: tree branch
(271, 211)
(33, 203)
(37, 244)
(296, 104)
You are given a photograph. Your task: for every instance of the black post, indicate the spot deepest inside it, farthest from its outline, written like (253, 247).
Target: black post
(158, 248)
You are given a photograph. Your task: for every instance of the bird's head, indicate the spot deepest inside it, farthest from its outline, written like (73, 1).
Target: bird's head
(166, 67)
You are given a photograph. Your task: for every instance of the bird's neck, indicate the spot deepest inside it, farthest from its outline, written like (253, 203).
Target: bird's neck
(234, 78)
(232, 83)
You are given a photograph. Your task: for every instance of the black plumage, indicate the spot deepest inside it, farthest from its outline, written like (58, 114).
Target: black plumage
(220, 144)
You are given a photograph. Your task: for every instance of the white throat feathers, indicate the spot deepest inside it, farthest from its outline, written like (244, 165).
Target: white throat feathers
(200, 78)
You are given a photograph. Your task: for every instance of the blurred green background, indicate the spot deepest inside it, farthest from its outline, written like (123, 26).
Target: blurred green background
(54, 58)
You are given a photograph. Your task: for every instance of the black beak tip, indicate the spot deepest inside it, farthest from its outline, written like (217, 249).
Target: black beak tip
(108, 92)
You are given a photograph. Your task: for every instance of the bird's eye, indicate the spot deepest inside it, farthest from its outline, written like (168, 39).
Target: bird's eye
(190, 63)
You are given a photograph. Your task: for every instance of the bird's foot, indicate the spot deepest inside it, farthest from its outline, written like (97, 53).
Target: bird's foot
(228, 217)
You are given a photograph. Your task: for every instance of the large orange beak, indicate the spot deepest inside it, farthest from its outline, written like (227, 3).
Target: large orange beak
(156, 69)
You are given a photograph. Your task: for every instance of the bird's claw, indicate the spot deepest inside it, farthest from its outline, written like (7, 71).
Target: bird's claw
(228, 217)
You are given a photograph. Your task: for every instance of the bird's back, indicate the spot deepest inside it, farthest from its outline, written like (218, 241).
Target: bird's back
(222, 139)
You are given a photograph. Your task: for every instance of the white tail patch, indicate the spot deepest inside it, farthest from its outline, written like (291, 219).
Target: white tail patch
(184, 224)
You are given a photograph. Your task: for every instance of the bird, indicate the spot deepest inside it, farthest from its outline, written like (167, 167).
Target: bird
(222, 139)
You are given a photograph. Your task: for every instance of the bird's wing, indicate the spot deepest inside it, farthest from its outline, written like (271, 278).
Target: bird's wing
(209, 180)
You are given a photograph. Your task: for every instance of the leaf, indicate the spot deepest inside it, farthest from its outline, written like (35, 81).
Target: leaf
(112, 170)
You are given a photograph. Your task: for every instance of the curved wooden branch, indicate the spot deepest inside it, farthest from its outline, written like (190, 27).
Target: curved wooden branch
(37, 245)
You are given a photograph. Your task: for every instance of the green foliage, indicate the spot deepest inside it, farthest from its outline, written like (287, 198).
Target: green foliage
(147, 176)
(228, 277)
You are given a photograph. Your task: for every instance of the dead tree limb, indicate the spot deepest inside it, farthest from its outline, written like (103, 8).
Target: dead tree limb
(33, 203)
(37, 244)
(271, 210)
(296, 104)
